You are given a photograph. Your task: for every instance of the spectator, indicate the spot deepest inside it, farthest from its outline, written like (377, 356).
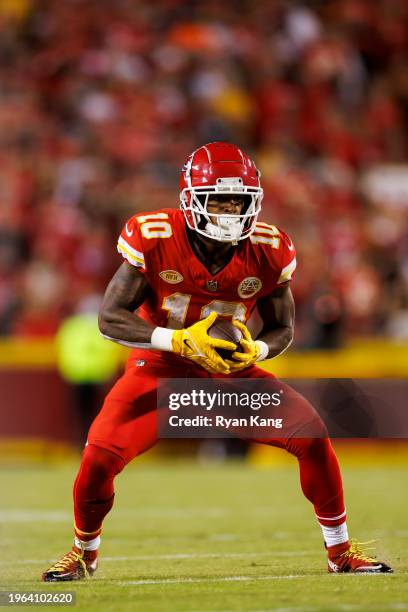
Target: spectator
(99, 107)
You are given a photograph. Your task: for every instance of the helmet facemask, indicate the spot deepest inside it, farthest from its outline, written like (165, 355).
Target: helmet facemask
(223, 227)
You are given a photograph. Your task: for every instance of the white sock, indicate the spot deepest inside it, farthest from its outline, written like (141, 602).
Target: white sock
(89, 545)
(335, 535)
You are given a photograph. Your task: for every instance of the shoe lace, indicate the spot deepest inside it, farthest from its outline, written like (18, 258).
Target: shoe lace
(358, 550)
(67, 560)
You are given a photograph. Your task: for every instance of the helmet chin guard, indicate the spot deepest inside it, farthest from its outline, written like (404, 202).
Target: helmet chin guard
(228, 227)
(220, 168)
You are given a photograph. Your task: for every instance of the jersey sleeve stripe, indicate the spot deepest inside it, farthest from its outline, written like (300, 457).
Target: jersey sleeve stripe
(130, 250)
(287, 271)
(135, 262)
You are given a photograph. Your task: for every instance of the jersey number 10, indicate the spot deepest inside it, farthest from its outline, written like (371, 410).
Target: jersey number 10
(177, 305)
(155, 225)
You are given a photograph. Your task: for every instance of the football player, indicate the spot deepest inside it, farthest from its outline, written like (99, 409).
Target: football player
(181, 270)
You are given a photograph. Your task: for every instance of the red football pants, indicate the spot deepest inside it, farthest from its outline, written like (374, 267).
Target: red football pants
(127, 426)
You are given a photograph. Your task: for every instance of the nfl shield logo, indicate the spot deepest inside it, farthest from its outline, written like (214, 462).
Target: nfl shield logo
(212, 285)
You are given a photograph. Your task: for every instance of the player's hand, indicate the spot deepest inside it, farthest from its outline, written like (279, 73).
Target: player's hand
(194, 343)
(249, 353)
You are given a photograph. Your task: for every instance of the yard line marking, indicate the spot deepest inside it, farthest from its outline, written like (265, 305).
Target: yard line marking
(28, 516)
(226, 537)
(207, 555)
(239, 579)
(246, 579)
(175, 556)
(220, 579)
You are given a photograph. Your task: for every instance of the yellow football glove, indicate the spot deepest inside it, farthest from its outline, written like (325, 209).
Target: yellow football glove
(194, 343)
(249, 353)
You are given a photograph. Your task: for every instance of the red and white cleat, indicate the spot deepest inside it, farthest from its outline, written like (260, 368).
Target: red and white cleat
(77, 564)
(350, 557)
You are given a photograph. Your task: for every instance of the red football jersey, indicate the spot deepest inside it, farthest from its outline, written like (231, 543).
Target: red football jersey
(183, 290)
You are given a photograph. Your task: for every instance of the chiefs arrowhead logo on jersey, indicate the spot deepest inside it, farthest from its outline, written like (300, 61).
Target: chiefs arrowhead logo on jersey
(249, 286)
(171, 276)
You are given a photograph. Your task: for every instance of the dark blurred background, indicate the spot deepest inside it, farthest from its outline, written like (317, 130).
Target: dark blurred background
(101, 101)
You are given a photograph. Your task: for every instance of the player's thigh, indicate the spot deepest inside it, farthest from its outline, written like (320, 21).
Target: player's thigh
(299, 418)
(127, 422)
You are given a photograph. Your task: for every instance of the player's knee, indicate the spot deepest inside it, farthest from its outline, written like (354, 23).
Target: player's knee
(101, 464)
(309, 447)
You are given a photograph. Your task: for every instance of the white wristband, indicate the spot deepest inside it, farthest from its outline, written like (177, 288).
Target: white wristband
(263, 348)
(161, 339)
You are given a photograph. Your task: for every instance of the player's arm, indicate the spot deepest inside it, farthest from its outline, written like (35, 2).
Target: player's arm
(117, 321)
(277, 311)
(125, 293)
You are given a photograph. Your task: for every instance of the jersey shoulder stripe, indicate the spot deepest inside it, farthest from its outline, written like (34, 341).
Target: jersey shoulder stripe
(287, 272)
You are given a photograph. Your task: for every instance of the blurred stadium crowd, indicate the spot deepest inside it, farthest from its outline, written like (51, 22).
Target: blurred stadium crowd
(102, 100)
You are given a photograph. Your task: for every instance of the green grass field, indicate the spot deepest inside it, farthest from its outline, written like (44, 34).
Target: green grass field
(186, 537)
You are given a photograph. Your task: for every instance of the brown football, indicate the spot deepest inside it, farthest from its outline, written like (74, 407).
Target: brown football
(225, 330)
